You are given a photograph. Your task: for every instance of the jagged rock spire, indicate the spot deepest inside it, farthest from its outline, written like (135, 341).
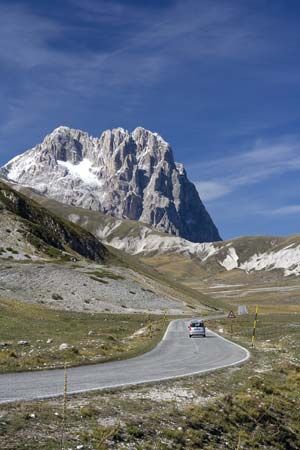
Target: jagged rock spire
(128, 175)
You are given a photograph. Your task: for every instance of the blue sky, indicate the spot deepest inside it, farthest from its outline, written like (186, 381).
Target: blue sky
(220, 80)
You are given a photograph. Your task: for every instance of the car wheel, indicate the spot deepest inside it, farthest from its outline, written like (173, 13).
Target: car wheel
(190, 336)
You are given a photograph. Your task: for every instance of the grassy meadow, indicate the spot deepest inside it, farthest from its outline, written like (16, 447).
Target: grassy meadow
(91, 338)
(250, 407)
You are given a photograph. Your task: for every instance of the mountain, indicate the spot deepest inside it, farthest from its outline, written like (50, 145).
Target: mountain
(30, 231)
(126, 175)
(42, 245)
(275, 256)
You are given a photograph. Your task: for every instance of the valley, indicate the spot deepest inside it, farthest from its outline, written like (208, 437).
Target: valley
(90, 290)
(199, 267)
(149, 225)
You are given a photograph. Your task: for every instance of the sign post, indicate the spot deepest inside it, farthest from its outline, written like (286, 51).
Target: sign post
(254, 326)
(231, 316)
(165, 316)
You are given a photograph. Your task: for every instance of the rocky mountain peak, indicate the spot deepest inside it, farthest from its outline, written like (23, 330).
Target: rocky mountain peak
(128, 175)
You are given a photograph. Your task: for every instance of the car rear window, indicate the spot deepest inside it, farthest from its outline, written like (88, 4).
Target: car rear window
(197, 325)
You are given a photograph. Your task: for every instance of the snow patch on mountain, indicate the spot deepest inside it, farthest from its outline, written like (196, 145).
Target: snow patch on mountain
(231, 260)
(287, 259)
(20, 165)
(127, 175)
(84, 171)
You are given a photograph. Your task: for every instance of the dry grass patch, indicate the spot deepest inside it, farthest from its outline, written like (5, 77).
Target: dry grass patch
(90, 338)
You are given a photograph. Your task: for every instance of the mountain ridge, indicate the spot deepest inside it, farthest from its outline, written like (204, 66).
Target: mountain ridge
(127, 175)
(246, 254)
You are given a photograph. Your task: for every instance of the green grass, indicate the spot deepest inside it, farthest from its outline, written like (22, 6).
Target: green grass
(91, 337)
(256, 411)
(106, 274)
(279, 331)
(100, 275)
(252, 407)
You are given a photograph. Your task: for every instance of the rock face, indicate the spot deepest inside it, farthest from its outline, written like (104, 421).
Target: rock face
(127, 175)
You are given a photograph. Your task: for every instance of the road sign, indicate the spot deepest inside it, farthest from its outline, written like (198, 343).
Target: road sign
(231, 315)
(242, 309)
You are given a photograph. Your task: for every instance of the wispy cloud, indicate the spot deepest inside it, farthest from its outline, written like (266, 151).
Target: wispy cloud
(106, 11)
(142, 46)
(266, 159)
(25, 38)
(284, 210)
(180, 32)
(183, 30)
(211, 190)
(110, 50)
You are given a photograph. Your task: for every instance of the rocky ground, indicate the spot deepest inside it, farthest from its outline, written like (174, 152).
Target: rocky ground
(83, 287)
(12, 242)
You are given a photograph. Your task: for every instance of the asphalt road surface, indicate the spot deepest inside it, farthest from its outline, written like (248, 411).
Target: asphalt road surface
(175, 356)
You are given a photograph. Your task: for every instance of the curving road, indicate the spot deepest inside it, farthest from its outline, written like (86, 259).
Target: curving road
(175, 356)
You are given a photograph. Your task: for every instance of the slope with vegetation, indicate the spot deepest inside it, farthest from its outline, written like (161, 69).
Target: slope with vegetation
(106, 228)
(225, 274)
(47, 233)
(265, 257)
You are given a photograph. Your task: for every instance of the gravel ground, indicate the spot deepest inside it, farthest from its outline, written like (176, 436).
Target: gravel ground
(61, 286)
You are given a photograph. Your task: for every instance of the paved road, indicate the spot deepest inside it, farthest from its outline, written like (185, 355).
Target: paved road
(175, 356)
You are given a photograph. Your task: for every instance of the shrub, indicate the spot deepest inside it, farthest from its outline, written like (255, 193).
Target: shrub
(88, 411)
(135, 431)
(57, 297)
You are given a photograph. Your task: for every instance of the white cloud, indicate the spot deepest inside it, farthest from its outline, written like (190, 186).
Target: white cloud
(211, 190)
(144, 48)
(148, 48)
(25, 38)
(266, 159)
(285, 210)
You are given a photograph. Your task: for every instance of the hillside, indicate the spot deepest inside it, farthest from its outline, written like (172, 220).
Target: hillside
(35, 232)
(30, 233)
(273, 256)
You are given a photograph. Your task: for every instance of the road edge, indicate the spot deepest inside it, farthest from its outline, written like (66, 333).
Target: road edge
(149, 382)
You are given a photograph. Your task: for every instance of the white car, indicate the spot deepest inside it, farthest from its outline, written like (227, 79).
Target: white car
(197, 328)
